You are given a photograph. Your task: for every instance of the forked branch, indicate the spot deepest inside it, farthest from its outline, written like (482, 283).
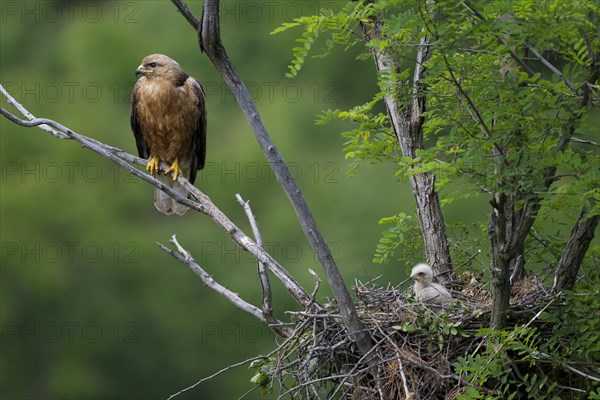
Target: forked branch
(267, 304)
(209, 39)
(200, 201)
(185, 257)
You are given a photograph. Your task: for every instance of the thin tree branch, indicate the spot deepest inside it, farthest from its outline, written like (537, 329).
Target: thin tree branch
(184, 256)
(465, 95)
(551, 67)
(584, 141)
(531, 48)
(513, 55)
(203, 203)
(28, 115)
(587, 376)
(185, 11)
(363, 360)
(267, 307)
(264, 279)
(317, 281)
(219, 372)
(210, 42)
(293, 337)
(407, 393)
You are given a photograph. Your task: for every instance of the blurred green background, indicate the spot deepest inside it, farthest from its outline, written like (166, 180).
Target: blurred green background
(91, 308)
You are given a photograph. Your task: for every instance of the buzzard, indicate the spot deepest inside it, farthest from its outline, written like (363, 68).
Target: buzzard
(168, 120)
(426, 291)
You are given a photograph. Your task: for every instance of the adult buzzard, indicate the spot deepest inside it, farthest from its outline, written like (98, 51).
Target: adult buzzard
(168, 120)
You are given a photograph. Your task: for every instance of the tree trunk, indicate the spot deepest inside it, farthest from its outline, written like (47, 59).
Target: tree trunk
(501, 262)
(407, 122)
(565, 274)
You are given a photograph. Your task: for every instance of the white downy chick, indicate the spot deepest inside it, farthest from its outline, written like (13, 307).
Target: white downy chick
(427, 291)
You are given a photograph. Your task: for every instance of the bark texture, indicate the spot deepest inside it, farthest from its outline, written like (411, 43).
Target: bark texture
(406, 118)
(565, 274)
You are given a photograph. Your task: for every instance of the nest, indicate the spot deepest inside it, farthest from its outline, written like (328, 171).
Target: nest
(414, 349)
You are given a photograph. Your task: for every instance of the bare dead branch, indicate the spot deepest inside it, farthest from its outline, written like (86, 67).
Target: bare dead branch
(185, 11)
(578, 372)
(228, 368)
(203, 203)
(210, 42)
(185, 257)
(317, 280)
(28, 115)
(264, 279)
(267, 305)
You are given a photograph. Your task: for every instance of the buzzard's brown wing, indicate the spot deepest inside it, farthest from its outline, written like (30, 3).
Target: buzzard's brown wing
(199, 141)
(142, 146)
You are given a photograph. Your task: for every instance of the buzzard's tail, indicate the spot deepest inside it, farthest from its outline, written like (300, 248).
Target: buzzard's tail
(163, 202)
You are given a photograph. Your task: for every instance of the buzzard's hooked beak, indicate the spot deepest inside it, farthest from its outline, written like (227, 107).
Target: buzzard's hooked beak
(141, 70)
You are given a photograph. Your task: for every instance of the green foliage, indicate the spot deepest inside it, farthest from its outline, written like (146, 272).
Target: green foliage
(490, 125)
(312, 29)
(439, 327)
(262, 377)
(576, 331)
(506, 352)
(506, 85)
(371, 140)
(541, 361)
(403, 234)
(339, 27)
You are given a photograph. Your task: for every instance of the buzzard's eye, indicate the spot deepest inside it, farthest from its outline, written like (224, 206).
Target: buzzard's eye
(152, 65)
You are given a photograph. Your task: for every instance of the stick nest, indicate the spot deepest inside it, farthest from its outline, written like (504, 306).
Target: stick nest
(414, 349)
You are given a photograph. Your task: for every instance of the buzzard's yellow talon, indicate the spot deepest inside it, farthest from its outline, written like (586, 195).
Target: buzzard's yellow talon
(175, 169)
(153, 165)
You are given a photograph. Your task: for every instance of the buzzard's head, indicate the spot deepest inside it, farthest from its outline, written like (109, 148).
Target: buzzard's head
(422, 273)
(160, 66)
